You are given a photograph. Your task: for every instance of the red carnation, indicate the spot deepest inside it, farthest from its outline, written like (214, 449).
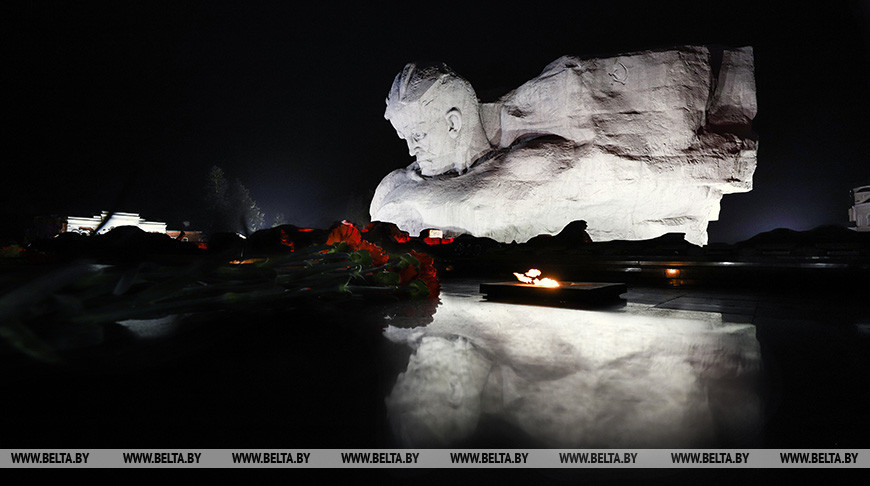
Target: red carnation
(345, 232)
(348, 233)
(407, 274)
(427, 272)
(379, 256)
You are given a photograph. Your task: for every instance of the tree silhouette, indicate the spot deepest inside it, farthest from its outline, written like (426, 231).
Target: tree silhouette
(230, 205)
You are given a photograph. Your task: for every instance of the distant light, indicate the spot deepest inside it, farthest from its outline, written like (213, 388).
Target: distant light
(246, 261)
(672, 273)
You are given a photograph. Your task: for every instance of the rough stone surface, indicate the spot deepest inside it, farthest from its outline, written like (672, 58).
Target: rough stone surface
(637, 145)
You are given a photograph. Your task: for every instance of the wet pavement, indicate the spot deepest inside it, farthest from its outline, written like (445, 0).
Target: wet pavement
(664, 367)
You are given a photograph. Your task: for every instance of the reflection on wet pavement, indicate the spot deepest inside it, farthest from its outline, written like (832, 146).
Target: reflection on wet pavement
(635, 375)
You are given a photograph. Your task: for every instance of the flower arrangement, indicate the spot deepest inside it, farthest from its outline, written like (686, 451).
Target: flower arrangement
(412, 272)
(345, 268)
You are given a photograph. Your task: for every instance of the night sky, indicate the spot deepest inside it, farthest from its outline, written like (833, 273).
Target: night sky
(129, 104)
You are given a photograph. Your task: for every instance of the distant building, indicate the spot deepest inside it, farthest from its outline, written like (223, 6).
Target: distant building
(76, 224)
(45, 227)
(860, 212)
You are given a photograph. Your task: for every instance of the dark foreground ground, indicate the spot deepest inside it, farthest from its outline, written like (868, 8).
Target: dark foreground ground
(318, 378)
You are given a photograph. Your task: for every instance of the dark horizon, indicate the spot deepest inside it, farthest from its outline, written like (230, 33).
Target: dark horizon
(127, 107)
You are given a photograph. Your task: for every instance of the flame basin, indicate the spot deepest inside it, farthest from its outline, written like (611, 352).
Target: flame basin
(569, 293)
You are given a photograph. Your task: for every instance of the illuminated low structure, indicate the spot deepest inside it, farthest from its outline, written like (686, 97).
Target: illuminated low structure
(860, 212)
(435, 237)
(76, 224)
(531, 289)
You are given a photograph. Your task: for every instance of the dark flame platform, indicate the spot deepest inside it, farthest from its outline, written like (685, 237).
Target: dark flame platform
(569, 293)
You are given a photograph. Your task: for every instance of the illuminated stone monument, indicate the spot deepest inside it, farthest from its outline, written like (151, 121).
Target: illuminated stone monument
(637, 145)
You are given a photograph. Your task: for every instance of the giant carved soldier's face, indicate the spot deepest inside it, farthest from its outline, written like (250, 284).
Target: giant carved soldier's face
(432, 134)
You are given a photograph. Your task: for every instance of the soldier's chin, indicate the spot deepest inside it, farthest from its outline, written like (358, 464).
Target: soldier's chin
(429, 168)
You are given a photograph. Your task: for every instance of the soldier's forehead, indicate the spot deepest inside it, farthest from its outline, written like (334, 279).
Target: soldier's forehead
(411, 119)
